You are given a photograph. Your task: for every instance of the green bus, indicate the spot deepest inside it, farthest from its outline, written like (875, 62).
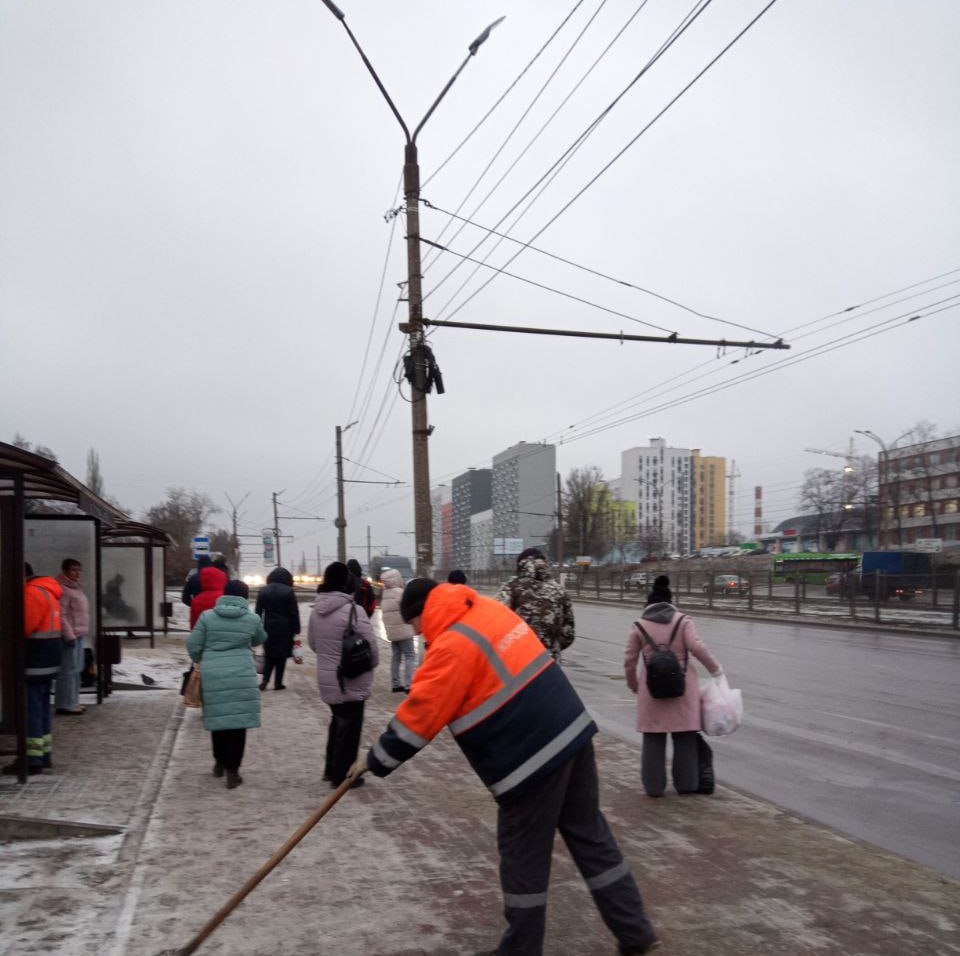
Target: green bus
(813, 565)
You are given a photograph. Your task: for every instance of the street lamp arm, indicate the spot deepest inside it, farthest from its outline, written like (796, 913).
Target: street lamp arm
(338, 13)
(480, 40)
(473, 52)
(870, 434)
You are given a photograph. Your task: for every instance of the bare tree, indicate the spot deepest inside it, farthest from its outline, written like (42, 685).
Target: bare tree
(94, 475)
(825, 496)
(650, 538)
(584, 500)
(226, 544)
(20, 442)
(182, 514)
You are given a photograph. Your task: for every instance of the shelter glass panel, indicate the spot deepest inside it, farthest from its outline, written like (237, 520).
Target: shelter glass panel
(48, 539)
(159, 593)
(124, 598)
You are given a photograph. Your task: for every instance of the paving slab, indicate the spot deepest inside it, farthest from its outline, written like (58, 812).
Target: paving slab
(406, 866)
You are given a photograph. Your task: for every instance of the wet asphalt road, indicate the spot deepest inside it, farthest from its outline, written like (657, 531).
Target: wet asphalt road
(856, 731)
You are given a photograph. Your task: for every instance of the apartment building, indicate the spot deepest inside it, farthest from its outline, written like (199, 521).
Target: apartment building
(524, 493)
(919, 494)
(471, 493)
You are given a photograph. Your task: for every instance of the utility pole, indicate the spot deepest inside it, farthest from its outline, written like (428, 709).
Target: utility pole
(731, 499)
(341, 522)
(423, 523)
(559, 523)
(235, 543)
(276, 528)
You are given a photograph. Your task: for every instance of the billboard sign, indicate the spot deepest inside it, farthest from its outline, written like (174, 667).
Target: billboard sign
(507, 545)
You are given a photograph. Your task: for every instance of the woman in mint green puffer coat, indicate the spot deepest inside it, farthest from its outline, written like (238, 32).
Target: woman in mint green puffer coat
(221, 643)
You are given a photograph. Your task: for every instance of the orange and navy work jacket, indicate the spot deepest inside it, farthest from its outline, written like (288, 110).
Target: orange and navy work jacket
(41, 617)
(489, 679)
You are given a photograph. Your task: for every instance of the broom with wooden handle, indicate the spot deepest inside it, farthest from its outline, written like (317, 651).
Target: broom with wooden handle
(244, 890)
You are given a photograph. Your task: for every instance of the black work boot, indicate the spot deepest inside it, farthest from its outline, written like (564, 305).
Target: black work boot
(233, 779)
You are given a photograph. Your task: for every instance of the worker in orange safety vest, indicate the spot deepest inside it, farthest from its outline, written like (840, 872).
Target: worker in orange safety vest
(41, 616)
(528, 736)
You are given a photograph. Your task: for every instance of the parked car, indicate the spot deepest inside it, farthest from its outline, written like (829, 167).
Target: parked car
(638, 581)
(834, 584)
(727, 584)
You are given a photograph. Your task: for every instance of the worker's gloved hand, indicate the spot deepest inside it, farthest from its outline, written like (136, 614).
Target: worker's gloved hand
(358, 769)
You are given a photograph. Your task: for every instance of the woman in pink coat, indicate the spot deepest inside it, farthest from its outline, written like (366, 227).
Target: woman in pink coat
(679, 716)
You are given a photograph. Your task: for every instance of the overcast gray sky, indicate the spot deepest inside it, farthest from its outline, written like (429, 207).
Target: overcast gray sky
(198, 280)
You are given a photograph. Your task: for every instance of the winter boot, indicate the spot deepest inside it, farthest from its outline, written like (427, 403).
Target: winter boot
(233, 779)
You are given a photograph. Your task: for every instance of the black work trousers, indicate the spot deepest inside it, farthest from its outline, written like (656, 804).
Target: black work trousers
(228, 747)
(567, 800)
(343, 739)
(273, 665)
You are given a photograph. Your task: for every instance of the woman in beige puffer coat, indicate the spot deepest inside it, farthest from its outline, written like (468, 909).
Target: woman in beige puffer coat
(400, 635)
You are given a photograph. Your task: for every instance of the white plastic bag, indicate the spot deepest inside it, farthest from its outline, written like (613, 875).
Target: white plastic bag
(297, 651)
(721, 708)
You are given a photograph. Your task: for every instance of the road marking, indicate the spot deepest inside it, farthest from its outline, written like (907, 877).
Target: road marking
(897, 727)
(840, 744)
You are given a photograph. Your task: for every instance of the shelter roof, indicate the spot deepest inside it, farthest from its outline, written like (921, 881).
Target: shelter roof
(137, 531)
(43, 479)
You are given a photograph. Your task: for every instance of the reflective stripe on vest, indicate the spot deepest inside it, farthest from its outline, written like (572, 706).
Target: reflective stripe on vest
(43, 667)
(51, 633)
(512, 683)
(544, 755)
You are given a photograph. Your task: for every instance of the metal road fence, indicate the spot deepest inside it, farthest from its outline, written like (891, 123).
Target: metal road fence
(909, 600)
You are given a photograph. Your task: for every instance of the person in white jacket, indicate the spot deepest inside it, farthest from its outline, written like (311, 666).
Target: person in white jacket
(399, 634)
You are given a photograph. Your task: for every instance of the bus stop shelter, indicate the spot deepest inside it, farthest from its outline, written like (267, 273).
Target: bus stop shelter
(45, 515)
(133, 593)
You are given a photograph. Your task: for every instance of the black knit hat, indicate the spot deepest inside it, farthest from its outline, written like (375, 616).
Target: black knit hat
(353, 566)
(529, 553)
(336, 577)
(415, 597)
(457, 577)
(661, 581)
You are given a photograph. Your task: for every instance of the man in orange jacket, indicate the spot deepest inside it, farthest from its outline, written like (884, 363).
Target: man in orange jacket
(528, 736)
(41, 617)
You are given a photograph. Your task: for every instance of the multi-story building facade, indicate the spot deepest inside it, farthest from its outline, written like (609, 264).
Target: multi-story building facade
(441, 503)
(481, 541)
(709, 475)
(471, 493)
(524, 493)
(919, 493)
(659, 480)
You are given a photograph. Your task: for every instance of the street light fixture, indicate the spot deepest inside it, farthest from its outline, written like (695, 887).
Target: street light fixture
(883, 481)
(414, 326)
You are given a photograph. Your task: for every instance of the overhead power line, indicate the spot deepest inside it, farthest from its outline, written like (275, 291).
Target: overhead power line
(816, 351)
(504, 94)
(595, 272)
(548, 121)
(628, 146)
(569, 152)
